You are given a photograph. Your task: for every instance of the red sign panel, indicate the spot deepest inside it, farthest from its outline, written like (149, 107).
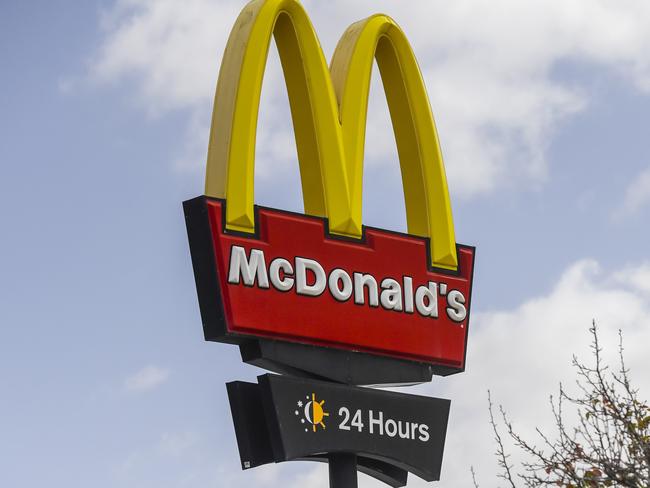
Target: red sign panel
(293, 281)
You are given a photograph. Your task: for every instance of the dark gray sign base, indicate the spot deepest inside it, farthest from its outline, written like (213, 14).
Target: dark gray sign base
(339, 365)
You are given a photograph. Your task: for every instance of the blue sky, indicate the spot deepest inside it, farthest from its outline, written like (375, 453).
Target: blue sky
(543, 112)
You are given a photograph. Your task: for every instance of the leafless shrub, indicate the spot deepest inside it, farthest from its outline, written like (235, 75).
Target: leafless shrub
(608, 447)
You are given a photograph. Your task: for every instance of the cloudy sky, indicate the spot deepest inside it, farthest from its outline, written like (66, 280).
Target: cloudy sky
(543, 110)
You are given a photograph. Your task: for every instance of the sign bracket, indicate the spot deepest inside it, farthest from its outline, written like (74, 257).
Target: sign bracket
(338, 365)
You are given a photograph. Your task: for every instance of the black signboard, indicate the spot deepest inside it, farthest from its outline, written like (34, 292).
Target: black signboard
(302, 418)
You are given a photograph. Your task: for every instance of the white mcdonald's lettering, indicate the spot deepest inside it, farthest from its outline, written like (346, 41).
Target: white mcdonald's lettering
(302, 287)
(250, 270)
(307, 277)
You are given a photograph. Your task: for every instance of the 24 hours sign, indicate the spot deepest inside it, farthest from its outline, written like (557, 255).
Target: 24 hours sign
(304, 418)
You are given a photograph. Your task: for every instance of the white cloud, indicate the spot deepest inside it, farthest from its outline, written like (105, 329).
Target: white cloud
(491, 69)
(146, 379)
(522, 354)
(637, 195)
(637, 277)
(172, 49)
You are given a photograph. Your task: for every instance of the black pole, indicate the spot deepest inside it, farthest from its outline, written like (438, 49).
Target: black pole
(343, 470)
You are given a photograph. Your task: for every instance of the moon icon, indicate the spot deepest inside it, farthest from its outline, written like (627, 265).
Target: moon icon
(308, 414)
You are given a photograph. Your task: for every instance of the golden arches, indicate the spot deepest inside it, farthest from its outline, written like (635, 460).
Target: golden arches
(329, 118)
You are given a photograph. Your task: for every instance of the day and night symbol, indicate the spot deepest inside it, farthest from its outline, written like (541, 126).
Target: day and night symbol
(313, 412)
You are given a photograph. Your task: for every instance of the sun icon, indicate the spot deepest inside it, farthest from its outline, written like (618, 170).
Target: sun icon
(313, 412)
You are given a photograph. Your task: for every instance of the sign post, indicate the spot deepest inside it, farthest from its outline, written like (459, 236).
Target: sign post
(343, 470)
(329, 304)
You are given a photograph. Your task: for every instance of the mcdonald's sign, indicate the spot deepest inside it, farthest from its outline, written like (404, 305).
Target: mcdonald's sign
(323, 279)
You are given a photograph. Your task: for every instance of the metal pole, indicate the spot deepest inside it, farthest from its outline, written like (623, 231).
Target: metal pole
(343, 470)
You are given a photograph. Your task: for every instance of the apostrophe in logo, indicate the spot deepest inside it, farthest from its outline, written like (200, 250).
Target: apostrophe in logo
(312, 412)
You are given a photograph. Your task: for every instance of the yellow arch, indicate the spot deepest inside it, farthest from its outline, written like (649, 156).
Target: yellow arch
(329, 118)
(231, 152)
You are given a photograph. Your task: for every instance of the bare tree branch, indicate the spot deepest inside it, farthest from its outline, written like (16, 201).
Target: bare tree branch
(608, 447)
(502, 457)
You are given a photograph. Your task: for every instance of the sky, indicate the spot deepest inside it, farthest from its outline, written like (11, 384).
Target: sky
(542, 107)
